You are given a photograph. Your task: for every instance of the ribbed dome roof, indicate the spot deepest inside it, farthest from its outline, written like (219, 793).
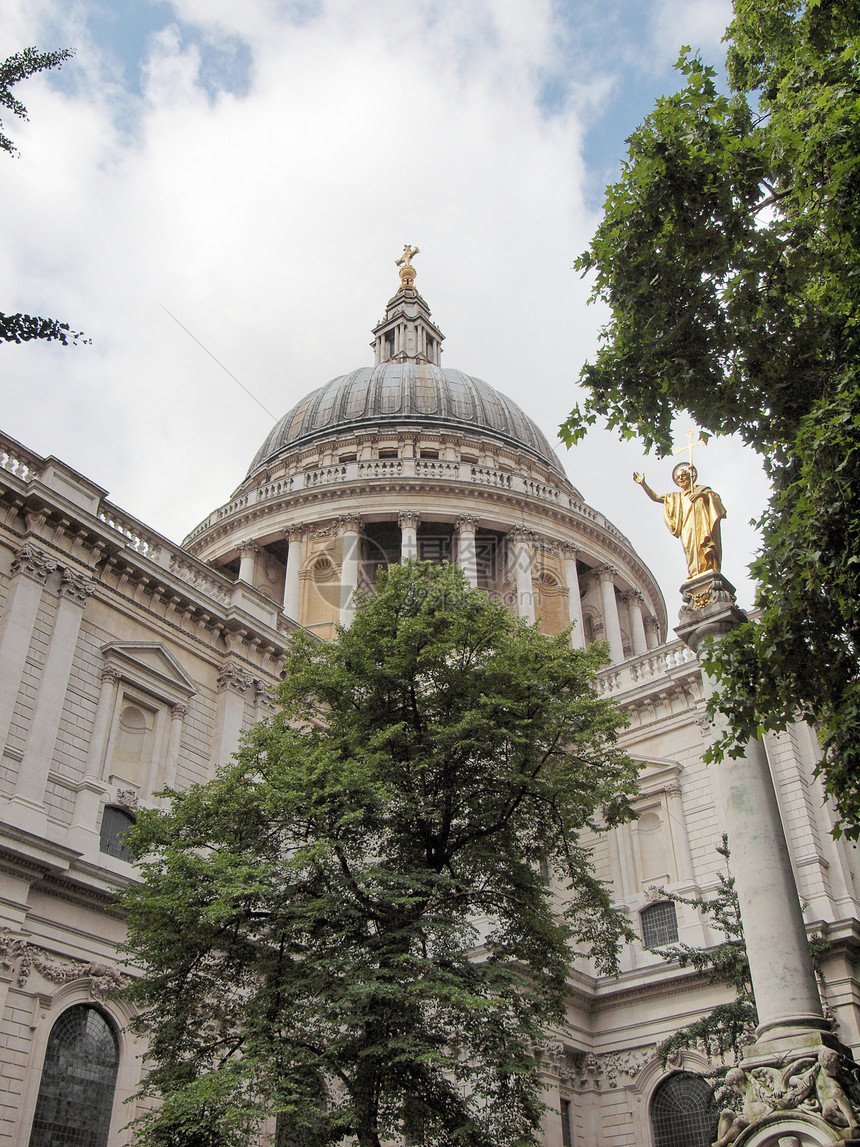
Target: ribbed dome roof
(405, 392)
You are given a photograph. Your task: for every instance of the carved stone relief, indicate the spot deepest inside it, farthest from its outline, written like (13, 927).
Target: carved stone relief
(20, 958)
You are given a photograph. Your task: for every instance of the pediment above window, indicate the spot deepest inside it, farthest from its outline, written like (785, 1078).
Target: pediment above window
(152, 667)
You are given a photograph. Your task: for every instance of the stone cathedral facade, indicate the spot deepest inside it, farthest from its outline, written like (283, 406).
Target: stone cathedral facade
(128, 662)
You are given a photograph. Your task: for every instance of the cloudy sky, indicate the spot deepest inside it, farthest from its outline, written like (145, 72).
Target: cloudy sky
(251, 171)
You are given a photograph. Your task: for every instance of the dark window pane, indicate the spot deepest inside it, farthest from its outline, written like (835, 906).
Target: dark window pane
(682, 1113)
(566, 1125)
(76, 1094)
(659, 924)
(114, 823)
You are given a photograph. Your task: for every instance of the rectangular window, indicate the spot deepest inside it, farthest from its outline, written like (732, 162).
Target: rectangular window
(566, 1125)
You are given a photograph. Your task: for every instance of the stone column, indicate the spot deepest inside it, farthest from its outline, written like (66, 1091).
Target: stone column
(652, 632)
(84, 829)
(248, 561)
(32, 776)
(522, 558)
(783, 981)
(467, 557)
(233, 684)
(178, 713)
(292, 586)
(574, 596)
(606, 575)
(635, 601)
(30, 569)
(408, 523)
(350, 565)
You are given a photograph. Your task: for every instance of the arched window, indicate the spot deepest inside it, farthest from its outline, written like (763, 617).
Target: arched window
(78, 1080)
(115, 821)
(659, 924)
(683, 1113)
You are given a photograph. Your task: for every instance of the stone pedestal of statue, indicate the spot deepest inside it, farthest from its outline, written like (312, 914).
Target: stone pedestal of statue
(799, 1084)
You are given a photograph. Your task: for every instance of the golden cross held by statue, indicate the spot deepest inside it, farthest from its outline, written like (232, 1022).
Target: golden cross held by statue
(690, 445)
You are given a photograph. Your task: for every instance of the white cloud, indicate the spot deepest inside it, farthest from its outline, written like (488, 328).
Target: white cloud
(268, 224)
(699, 23)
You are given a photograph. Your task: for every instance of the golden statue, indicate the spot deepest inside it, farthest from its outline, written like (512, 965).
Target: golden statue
(693, 514)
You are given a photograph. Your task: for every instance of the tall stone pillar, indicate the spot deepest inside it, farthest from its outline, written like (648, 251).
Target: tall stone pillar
(634, 602)
(792, 1029)
(32, 776)
(652, 632)
(248, 562)
(292, 585)
(606, 575)
(178, 713)
(30, 569)
(233, 684)
(467, 555)
(574, 597)
(408, 523)
(522, 558)
(84, 829)
(350, 565)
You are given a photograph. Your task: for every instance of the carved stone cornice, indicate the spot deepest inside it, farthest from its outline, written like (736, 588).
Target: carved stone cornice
(76, 587)
(33, 563)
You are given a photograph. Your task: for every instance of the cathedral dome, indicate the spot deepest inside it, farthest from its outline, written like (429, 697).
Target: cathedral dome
(399, 393)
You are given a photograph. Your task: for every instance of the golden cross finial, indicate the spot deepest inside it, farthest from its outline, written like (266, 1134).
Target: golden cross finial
(690, 444)
(407, 256)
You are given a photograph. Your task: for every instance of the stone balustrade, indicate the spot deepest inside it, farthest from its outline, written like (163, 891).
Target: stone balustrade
(630, 674)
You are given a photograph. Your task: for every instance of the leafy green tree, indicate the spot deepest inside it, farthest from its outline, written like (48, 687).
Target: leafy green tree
(349, 927)
(728, 256)
(19, 328)
(724, 1031)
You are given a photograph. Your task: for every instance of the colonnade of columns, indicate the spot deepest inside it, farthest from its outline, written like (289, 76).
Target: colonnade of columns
(618, 611)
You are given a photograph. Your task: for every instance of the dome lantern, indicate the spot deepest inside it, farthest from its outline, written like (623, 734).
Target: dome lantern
(407, 333)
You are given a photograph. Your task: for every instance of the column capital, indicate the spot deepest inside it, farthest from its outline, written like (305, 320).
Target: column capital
(605, 573)
(651, 623)
(349, 523)
(246, 548)
(296, 532)
(234, 679)
(408, 519)
(77, 587)
(569, 550)
(466, 523)
(110, 673)
(523, 534)
(33, 563)
(178, 712)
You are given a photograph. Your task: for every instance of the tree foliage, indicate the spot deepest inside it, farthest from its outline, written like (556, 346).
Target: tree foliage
(19, 328)
(729, 255)
(349, 927)
(725, 1030)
